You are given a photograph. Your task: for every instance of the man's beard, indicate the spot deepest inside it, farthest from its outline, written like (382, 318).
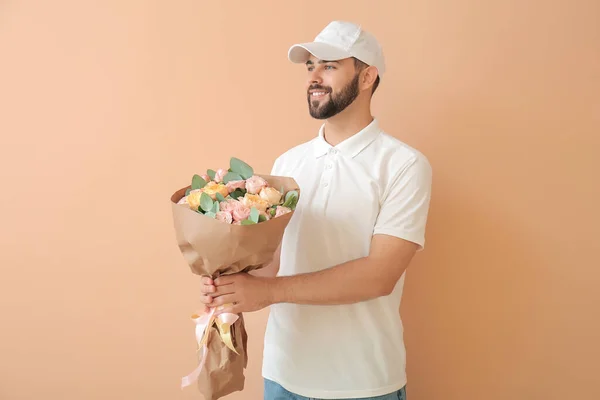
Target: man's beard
(337, 103)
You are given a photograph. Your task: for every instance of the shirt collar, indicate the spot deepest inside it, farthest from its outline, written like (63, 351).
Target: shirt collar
(350, 146)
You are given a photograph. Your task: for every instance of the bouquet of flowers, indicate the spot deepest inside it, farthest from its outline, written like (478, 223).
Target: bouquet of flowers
(228, 221)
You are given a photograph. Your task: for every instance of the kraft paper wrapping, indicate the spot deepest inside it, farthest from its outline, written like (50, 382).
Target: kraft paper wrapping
(214, 248)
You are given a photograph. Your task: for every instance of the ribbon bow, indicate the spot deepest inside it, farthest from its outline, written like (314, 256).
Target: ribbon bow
(203, 323)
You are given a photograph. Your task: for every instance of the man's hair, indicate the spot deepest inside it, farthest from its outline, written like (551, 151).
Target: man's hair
(359, 65)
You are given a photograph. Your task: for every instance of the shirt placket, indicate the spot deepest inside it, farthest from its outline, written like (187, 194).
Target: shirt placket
(327, 176)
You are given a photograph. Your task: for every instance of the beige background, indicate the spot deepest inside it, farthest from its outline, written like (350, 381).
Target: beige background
(108, 107)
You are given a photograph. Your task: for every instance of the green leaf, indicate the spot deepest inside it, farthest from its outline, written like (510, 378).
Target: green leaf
(215, 208)
(211, 214)
(254, 214)
(220, 197)
(247, 222)
(273, 211)
(232, 176)
(241, 168)
(206, 202)
(200, 210)
(187, 192)
(212, 173)
(262, 218)
(291, 199)
(198, 182)
(237, 193)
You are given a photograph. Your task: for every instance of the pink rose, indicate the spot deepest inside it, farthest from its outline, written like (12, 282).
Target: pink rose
(220, 174)
(205, 177)
(282, 211)
(228, 205)
(232, 185)
(240, 212)
(225, 216)
(255, 183)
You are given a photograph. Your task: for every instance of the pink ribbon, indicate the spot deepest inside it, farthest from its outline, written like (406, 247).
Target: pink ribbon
(203, 323)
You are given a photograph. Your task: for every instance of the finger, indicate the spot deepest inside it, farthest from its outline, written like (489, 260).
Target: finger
(224, 280)
(206, 299)
(223, 290)
(208, 289)
(206, 280)
(219, 301)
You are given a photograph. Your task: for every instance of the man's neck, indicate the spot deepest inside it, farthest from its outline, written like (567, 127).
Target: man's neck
(345, 125)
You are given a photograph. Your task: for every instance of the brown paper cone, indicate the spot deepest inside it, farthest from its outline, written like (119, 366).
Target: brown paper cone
(214, 248)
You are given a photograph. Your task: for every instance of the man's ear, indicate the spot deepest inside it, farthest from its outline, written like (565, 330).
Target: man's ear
(369, 75)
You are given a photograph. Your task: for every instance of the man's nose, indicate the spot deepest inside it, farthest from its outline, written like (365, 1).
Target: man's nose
(314, 77)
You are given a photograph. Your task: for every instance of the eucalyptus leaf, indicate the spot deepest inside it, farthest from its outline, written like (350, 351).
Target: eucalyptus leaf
(215, 208)
(198, 182)
(237, 193)
(206, 203)
(232, 176)
(291, 199)
(247, 222)
(211, 214)
(220, 197)
(240, 167)
(262, 218)
(212, 173)
(187, 192)
(254, 214)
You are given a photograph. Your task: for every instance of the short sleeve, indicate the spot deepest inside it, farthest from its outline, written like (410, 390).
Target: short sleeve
(405, 204)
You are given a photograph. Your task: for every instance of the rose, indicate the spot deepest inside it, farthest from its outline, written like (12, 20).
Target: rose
(220, 174)
(205, 177)
(212, 188)
(228, 205)
(271, 195)
(193, 199)
(254, 200)
(225, 216)
(282, 211)
(240, 211)
(255, 183)
(232, 185)
(184, 201)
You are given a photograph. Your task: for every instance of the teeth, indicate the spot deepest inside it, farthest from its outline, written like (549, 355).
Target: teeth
(318, 93)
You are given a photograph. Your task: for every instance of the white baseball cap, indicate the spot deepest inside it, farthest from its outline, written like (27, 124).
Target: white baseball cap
(339, 40)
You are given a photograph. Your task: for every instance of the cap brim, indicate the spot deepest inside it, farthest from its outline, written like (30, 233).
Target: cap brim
(300, 53)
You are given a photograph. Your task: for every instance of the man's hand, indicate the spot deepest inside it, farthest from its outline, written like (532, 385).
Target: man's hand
(241, 292)
(358, 280)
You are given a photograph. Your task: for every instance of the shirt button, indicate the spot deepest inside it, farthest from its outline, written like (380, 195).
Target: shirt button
(326, 184)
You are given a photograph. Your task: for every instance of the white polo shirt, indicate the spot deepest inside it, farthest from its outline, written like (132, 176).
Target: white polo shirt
(371, 183)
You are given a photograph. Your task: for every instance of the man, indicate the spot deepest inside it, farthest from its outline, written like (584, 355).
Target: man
(334, 288)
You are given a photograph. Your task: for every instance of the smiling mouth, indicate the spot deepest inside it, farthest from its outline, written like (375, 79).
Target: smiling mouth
(318, 94)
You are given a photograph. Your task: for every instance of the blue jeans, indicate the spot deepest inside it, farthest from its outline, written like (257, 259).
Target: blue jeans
(274, 391)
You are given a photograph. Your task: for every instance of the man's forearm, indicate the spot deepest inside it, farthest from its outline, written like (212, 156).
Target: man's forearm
(350, 282)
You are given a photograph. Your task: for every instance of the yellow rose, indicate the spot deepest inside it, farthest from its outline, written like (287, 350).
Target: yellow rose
(271, 195)
(254, 200)
(193, 199)
(212, 188)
